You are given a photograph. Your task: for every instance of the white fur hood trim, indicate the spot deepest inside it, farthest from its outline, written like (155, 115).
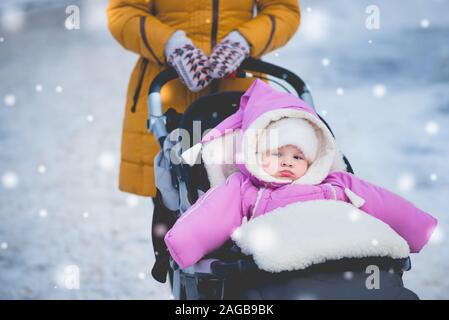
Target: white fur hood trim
(219, 154)
(299, 235)
(328, 156)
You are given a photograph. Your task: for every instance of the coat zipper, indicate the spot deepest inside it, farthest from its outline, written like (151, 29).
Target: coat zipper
(139, 84)
(145, 40)
(259, 196)
(270, 38)
(214, 85)
(214, 24)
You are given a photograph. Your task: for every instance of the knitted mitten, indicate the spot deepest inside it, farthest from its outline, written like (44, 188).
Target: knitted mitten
(227, 56)
(191, 64)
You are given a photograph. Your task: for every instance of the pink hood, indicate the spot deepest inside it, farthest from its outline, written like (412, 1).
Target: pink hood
(259, 106)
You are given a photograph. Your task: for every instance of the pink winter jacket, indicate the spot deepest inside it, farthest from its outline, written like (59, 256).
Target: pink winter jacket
(249, 193)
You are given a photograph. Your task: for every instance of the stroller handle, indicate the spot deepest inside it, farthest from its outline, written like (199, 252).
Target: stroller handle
(156, 119)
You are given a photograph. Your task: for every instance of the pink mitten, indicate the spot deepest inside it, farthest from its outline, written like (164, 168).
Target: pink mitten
(227, 56)
(191, 64)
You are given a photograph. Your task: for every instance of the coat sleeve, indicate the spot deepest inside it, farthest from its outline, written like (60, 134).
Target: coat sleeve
(275, 23)
(133, 25)
(208, 224)
(411, 223)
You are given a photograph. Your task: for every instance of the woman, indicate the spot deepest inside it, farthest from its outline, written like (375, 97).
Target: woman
(167, 32)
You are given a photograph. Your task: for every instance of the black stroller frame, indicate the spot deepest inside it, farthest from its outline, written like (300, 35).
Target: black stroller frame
(222, 274)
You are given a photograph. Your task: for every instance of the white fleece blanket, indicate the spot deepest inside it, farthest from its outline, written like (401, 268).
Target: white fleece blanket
(299, 235)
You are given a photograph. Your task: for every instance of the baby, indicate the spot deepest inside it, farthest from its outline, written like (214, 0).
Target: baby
(298, 143)
(284, 155)
(287, 162)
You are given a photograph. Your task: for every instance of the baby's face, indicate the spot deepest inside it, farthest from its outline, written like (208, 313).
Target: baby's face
(286, 162)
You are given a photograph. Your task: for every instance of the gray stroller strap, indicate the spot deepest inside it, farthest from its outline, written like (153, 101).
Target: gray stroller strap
(163, 177)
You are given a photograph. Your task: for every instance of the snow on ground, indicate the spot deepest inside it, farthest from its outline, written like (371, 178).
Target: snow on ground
(61, 142)
(384, 92)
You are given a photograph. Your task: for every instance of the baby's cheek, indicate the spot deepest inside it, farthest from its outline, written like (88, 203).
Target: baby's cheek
(266, 161)
(269, 165)
(302, 167)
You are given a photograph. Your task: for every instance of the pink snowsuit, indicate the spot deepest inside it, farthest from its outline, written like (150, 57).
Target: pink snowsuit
(248, 193)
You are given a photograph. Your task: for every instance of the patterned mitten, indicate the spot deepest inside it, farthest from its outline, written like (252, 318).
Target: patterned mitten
(191, 64)
(227, 56)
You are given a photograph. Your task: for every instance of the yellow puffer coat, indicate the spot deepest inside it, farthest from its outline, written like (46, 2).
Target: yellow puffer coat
(144, 26)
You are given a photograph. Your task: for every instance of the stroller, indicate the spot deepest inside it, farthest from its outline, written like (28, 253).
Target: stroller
(227, 273)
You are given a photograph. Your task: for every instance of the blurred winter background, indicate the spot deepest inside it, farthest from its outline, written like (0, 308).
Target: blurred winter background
(66, 231)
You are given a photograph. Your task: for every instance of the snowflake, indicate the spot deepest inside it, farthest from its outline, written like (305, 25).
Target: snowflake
(379, 90)
(160, 230)
(10, 180)
(262, 238)
(406, 182)
(13, 18)
(41, 168)
(2, 39)
(315, 27)
(68, 277)
(86, 214)
(43, 213)
(58, 89)
(324, 112)
(437, 236)
(10, 100)
(432, 127)
(94, 17)
(354, 215)
(424, 23)
(433, 177)
(141, 275)
(106, 161)
(375, 242)
(325, 62)
(90, 118)
(340, 91)
(4, 245)
(306, 296)
(39, 88)
(348, 275)
(132, 201)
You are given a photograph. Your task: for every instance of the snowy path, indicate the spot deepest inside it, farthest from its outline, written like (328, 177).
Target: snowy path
(112, 245)
(60, 141)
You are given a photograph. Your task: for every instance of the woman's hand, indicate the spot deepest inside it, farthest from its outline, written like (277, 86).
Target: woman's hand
(191, 64)
(227, 56)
